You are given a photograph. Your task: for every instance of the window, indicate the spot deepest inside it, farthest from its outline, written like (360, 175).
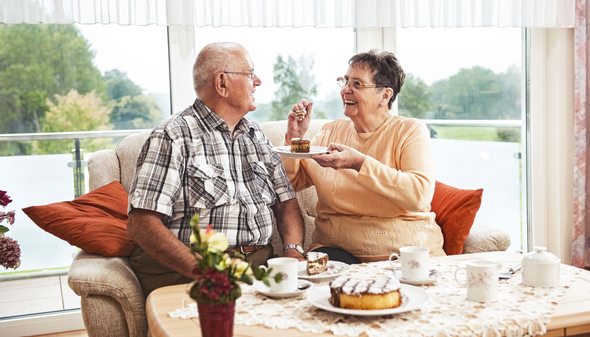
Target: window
(316, 55)
(466, 84)
(68, 78)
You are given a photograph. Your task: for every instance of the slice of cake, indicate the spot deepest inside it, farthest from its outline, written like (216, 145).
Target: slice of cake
(317, 263)
(300, 145)
(381, 292)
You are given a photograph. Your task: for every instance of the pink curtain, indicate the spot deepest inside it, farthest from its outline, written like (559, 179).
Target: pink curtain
(581, 226)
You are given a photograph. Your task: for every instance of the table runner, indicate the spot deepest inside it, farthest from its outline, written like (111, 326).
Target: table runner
(519, 311)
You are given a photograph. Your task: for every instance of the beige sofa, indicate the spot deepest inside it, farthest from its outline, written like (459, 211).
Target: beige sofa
(111, 297)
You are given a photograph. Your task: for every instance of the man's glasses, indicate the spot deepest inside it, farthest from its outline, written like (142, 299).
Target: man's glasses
(355, 85)
(250, 74)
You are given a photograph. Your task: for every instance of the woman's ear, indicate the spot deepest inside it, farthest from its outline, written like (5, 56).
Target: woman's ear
(386, 94)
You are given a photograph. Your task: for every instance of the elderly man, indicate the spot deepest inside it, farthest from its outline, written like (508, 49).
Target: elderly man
(212, 161)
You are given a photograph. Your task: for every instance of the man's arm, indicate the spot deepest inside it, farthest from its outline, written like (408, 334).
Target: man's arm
(290, 225)
(146, 228)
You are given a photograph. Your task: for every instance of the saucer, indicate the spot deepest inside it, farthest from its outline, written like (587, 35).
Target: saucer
(264, 290)
(430, 280)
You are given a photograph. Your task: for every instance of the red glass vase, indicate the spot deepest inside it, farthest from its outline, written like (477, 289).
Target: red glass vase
(217, 320)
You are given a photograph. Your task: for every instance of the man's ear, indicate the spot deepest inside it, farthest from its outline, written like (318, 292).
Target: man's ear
(220, 83)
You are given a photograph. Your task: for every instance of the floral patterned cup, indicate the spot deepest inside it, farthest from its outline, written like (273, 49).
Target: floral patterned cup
(414, 262)
(286, 266)
(481, 280)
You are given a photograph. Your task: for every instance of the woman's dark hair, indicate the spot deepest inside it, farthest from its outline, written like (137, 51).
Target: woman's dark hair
(385, 68)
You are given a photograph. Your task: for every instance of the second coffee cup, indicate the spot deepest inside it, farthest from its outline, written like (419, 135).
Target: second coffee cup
(481, 280)
(286, 266)
(414, 262)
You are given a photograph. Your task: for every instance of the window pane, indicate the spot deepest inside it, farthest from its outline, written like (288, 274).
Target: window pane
(467, 84)
(68, 78)
(317, 57)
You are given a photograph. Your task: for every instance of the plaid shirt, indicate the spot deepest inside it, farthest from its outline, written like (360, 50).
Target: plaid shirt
(191, 164)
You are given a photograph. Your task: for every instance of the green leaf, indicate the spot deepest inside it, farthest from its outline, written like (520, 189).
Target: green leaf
(3, 229)
(258, 273)
(266, 282)
(278, 277)
(247, 279)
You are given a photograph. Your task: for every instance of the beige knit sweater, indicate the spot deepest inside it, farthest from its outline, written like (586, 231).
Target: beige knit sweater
(383, 207)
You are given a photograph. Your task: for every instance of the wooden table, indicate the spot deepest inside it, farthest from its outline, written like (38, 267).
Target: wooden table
(571, 316)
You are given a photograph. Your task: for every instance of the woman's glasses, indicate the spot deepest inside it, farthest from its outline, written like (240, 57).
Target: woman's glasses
(355, 85)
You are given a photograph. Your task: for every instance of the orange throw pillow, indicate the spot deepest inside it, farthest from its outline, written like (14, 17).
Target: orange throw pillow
(95, 222)
(455, 211)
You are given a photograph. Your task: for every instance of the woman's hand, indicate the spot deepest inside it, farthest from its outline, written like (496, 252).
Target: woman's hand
(341, 157)
(296, 127)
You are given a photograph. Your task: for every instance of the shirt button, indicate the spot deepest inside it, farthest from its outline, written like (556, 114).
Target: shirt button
(224, 125)
(137, 194)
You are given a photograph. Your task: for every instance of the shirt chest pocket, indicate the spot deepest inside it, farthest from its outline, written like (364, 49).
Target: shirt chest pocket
(264, 188)
(207, 186)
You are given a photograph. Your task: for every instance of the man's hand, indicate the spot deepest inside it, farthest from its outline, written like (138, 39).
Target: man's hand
(294, 253)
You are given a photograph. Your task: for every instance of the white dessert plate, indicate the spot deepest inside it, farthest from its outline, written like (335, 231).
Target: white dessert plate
(264, 290)
(412, 298)
(335, 268)
(285, 151)
(435, 274)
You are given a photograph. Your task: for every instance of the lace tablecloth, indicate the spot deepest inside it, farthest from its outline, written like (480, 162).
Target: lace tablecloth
(519, 311)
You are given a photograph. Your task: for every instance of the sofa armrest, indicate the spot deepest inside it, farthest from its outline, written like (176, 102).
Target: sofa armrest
(103, 168)
(484, 238)
(111, 295)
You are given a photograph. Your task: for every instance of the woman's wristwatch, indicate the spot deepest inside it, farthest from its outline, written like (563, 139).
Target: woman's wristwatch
(294, 246)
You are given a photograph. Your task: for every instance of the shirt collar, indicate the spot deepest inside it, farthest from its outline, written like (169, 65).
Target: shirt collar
(213, 121)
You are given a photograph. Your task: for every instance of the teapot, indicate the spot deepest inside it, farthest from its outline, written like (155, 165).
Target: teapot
(540, 268)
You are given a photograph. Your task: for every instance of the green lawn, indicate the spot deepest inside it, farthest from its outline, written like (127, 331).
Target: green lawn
(483, 133)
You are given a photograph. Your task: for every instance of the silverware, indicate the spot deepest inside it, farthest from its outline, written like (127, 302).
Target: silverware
(512, 270)
(304, 286)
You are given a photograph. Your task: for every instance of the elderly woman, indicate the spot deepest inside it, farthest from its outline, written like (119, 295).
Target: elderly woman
(377, 181)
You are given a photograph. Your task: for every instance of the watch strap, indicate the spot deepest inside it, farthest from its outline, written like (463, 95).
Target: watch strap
(294, 246)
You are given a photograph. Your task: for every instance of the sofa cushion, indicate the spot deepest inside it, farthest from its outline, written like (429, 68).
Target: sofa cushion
(95, 222)
(455, 211)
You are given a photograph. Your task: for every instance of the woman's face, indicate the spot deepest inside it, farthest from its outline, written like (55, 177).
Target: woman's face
(363, 101)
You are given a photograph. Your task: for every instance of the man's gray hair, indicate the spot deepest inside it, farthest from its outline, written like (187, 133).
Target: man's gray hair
(213, 58)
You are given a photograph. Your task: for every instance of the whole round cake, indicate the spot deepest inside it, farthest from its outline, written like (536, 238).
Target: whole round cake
(381, 292)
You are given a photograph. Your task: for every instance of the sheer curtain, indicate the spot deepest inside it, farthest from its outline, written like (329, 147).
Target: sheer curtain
(295, 13)
(581, 226)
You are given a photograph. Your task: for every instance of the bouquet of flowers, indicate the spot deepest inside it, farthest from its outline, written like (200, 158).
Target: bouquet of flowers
(9, 248)
(218, 274)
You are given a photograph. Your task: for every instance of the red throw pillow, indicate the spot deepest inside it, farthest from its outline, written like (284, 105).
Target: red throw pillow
(95, 222)
(455, 211)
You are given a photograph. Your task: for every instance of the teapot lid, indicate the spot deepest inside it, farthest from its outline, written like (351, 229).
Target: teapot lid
(540, 255)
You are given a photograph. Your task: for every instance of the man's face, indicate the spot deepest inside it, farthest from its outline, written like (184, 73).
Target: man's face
(242, 86)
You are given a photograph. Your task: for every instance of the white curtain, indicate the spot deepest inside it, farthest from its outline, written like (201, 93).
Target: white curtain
(295, 13)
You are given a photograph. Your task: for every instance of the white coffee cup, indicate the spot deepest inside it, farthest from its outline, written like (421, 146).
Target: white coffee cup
(414, 262)
(481, 280)
(286, 266)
